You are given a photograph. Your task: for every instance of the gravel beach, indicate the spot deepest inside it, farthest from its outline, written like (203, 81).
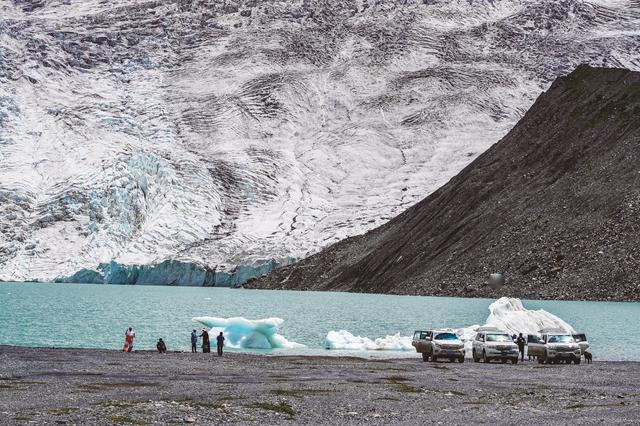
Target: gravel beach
(82, 386)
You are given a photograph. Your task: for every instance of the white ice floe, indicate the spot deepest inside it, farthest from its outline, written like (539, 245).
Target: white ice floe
(344, 340)
(242, 333)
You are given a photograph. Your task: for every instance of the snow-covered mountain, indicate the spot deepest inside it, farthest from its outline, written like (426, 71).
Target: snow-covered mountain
(230, 132)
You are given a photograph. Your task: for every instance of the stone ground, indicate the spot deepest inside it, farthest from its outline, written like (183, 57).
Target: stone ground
(80, 386)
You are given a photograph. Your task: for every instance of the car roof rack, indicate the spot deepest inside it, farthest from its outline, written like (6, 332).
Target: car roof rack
(488, 328)
(553, 330)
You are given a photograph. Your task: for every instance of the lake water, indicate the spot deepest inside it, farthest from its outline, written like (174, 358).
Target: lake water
(95, 316)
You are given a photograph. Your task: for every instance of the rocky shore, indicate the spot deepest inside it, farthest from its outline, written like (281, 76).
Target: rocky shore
(83, 386)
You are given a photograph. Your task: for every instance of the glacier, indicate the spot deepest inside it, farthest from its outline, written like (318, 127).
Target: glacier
(242, 333)
(508, 314)
(214, 134)
(172, 272)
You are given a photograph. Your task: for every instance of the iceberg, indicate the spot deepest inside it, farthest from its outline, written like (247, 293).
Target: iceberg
(509, 314)
(346, 341)
(242, 333)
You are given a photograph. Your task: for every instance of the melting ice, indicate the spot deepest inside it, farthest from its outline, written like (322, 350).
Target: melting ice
(242, 333)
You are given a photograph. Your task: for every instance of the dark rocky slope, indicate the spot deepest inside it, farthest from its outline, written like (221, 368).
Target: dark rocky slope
(555, 206)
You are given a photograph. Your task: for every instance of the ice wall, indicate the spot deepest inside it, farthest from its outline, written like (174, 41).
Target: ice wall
(242, 333)
(173, 272)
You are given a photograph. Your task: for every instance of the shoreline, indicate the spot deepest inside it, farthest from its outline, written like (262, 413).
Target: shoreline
(382, 355)
(488, 295)
(84, 386)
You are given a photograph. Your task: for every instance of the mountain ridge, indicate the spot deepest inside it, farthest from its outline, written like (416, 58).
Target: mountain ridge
(229, 132)
(550, 206)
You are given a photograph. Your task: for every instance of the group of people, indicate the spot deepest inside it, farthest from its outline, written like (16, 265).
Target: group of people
(206, 343)
(130, 335)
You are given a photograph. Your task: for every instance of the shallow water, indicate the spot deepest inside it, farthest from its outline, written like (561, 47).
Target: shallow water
(95, 316)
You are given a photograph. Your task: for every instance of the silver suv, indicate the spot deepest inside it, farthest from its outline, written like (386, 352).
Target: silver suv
(438, 343)
(492, 343)
(552, 346)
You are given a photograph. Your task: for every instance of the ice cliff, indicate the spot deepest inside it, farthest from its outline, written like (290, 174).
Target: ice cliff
(172, 272)
(218, 133)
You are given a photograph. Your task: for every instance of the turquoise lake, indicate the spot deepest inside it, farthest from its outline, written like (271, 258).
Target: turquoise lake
(95, 316)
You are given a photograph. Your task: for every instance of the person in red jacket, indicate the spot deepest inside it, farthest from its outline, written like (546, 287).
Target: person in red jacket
(129, 336)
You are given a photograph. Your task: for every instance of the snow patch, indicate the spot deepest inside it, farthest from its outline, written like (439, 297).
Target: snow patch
(242, 333)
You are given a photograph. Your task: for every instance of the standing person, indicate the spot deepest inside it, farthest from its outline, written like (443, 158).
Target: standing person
(206, 345)
(220, 340)
(129, 336)
(194, 341)
(162, 348)
(520, 341)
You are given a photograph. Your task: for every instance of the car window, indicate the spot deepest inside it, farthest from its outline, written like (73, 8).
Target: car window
(446, 336)
(424, 335)
(562, 338)
(580, 337)
(533, 339)
(498, 338)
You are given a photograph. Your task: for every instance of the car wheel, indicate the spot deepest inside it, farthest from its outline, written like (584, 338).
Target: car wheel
(576, 360)
(484, 356)
(542, 359)
(514, 360)
(461, 359)
(503, 360)
(434, 358)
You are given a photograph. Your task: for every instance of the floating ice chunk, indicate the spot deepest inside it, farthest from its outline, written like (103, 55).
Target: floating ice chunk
(242, 333)
(344, 340)
(509, 314)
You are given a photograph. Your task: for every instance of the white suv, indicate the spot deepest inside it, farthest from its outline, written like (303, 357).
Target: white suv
(492, 343)
(434, 344)
(554, 346)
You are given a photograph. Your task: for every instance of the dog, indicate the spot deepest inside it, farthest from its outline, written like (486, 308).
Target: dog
(588, 357)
